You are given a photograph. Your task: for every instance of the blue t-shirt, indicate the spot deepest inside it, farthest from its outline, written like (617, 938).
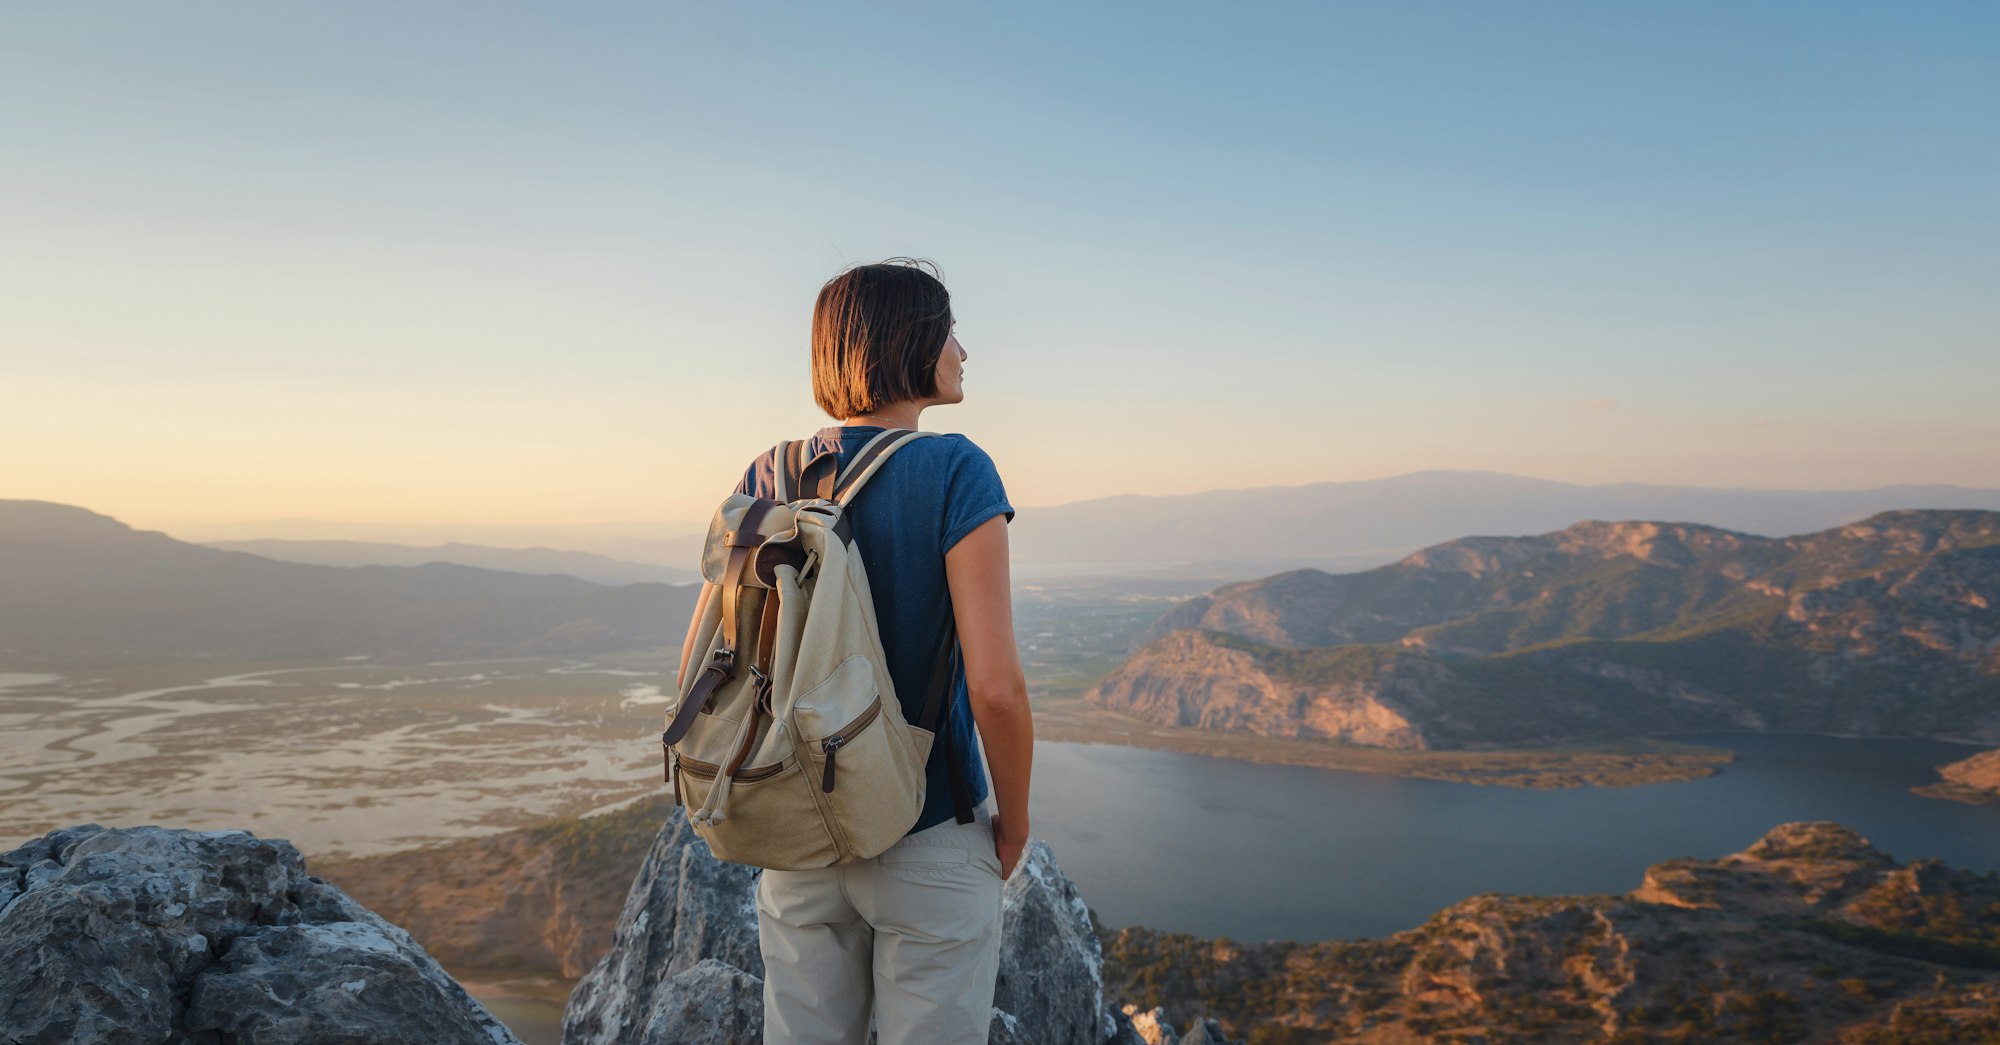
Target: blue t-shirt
(920, 502)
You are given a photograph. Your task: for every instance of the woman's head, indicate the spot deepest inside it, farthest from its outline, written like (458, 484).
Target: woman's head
(881, 335)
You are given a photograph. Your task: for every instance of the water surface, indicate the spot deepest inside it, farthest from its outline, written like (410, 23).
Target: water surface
(1249, 851)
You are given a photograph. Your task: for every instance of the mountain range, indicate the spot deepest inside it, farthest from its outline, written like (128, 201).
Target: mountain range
(1247, 533)
(1885, 627)
(1232, 534)
(84, 588)
(590, 566)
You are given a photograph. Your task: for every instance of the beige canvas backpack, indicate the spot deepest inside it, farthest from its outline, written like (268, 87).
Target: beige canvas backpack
(786, 741)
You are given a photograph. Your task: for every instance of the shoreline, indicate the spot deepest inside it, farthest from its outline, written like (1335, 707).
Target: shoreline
(1962, 741)
(1628, 763)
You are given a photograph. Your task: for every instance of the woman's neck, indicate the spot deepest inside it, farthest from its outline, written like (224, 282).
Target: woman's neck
(896, 415)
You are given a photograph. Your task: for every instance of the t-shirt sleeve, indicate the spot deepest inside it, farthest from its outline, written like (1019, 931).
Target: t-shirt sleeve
(751, 480)
(973, 495)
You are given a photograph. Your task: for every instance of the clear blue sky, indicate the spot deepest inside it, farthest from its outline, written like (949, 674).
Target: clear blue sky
(430, 262)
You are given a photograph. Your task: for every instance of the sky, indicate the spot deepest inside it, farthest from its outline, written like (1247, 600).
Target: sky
(497, 263)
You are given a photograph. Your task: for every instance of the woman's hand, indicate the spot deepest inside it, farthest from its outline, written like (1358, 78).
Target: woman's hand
(1008, 844)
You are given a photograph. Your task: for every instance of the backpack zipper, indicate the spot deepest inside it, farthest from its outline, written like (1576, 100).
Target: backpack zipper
(708, 770)
(832, 744)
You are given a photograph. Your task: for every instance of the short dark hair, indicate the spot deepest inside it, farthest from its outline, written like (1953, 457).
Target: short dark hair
(876, 334)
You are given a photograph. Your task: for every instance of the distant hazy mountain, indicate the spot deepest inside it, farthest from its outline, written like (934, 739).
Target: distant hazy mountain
(630, 540)
(600, 569)
(80, 587)
(1885, 627)
(1355, 525)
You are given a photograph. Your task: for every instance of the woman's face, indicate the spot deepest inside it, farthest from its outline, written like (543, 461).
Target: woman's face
(951, 370)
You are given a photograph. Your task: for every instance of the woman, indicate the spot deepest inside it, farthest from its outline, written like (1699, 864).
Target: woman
(912, 934)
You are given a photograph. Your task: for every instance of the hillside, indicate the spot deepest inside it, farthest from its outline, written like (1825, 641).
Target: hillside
(84, 588)
(1810, 934)
(537, 900)
(1885, 627)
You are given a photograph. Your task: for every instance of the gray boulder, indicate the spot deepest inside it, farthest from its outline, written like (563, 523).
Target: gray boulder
(686, 909)
(1051, 963)
(711, 1002)
(151, 935)
(684, 966)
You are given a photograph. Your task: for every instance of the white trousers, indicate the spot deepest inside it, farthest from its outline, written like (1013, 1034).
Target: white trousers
(912, 934)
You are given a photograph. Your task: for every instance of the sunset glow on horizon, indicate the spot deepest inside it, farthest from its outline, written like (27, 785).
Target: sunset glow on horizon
(373, 264)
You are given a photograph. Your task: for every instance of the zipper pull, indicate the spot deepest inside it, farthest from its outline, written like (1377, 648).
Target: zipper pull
(831, 746)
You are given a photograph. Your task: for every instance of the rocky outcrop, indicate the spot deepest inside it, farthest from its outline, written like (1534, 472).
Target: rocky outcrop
(147, 935)
(684, 951)
(1810, 934)
(684, 965)
(1601, 631)
(1195, 678)
(1974, 780)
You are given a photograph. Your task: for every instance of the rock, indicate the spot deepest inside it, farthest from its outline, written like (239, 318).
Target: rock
(1123, 1031)
(1005, 1030)
(1134, 1026)
(1204, 1032)
(1817, 840)
(709, 1003)
(1149, 1026)
(148, 935)
(684, 964)
(1051, 963)
(685, 908)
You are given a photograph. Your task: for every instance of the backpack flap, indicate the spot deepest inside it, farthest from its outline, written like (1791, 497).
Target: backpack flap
(770, 532)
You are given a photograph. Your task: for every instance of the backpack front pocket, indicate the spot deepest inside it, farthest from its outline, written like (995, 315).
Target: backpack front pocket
(866, 774)
(773, 818)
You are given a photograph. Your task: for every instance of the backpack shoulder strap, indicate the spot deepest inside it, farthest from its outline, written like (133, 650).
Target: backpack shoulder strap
(868, 460)
(798, 478)
(785, 471)
(935, 715)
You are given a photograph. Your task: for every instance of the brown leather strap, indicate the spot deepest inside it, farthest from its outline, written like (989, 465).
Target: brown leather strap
(821, 474)
(802, 478)
(767, 631)
(740, 551)
(767, 636)
(732, 588)
(720, 667)
(749, 741)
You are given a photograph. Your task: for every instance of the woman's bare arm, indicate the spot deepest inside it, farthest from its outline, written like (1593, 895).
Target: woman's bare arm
(982, 600)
